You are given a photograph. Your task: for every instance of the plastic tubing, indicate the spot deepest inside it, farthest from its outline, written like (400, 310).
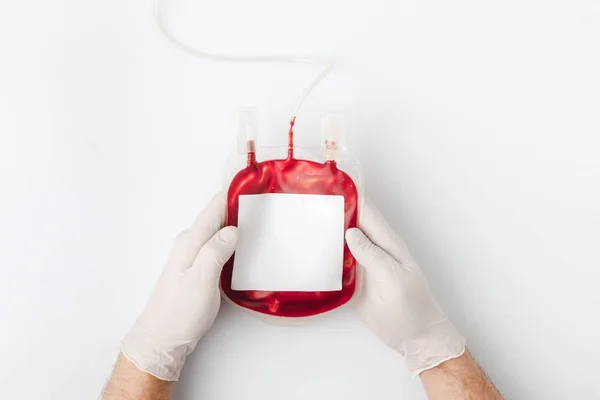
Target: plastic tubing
(327, 65)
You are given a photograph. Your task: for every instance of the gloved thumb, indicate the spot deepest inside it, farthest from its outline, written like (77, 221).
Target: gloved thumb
(215, 253)
(370, 256)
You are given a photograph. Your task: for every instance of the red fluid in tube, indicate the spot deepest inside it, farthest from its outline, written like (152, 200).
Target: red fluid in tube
(298, 177)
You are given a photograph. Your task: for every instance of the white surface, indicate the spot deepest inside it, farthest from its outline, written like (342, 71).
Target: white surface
(476, 124)
(289, 242)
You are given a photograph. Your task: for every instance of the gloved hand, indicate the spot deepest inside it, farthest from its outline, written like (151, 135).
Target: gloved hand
(186, 298)
(395, 300)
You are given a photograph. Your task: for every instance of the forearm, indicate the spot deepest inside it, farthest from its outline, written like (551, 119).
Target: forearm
(458, 379)
(129, 383)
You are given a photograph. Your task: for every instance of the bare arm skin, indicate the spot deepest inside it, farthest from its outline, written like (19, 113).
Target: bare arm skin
(458, 379)
(129, 383)
(181, 309)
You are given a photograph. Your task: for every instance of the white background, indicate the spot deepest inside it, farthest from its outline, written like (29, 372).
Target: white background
(477, 124)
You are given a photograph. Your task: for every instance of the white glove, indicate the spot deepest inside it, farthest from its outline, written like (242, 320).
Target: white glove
(186, 298)
(395, 300)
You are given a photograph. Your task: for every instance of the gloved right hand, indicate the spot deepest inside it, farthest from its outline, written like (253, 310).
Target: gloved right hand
(395, 300)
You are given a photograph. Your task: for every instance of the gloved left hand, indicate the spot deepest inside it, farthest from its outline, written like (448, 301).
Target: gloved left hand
(186, 299)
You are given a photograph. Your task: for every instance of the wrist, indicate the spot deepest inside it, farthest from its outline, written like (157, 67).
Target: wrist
(128, 382)
(160, 357)
(460, 376)
(437, 344)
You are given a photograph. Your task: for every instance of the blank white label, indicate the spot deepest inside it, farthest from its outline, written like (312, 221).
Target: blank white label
(289, 242)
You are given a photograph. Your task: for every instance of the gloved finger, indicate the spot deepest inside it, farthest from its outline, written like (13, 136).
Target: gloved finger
(373, 258)
(190, 241)
(374, 225)
(214, 254)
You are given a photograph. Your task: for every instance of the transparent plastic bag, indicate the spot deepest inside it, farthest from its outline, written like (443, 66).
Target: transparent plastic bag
(326, 170)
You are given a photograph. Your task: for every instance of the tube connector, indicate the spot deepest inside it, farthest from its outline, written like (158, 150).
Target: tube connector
(334, 134)
(247, 131)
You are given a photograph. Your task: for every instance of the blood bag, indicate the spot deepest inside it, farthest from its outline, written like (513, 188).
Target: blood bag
(325, 171)
(329, 176)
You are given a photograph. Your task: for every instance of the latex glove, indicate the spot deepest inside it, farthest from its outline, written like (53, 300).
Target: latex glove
(395, 300)
(186, 299)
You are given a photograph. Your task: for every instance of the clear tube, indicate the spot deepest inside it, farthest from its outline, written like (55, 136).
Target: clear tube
(327, 65)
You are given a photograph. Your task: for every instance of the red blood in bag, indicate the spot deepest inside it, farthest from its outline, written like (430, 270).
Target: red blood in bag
(299, 177)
